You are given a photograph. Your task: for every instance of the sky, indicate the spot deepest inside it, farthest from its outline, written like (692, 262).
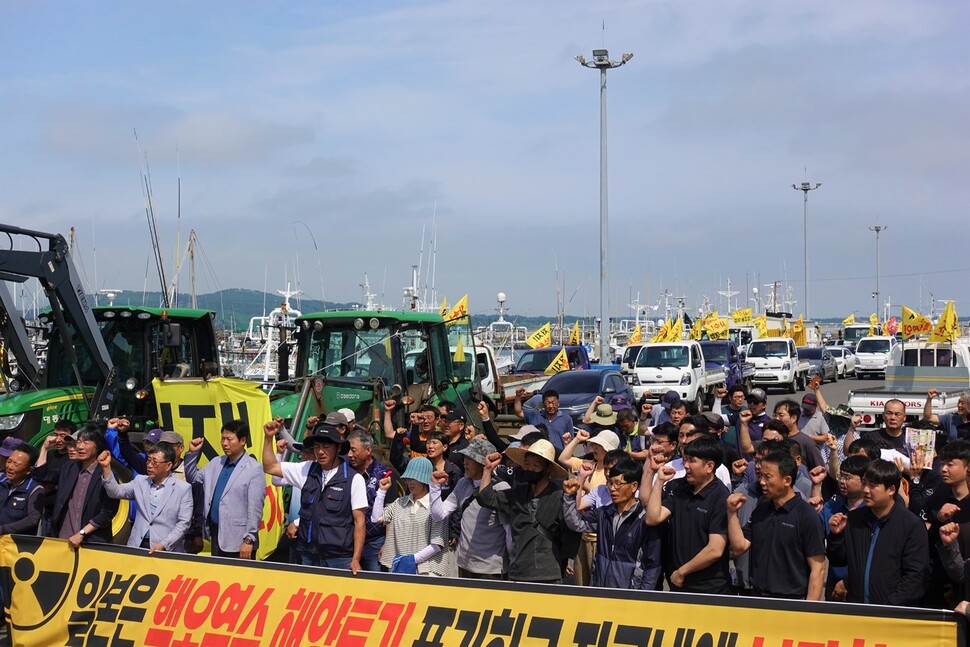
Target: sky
(319, 142)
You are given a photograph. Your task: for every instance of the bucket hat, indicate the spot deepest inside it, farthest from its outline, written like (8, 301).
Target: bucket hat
(604, 415)
(606, 439)
(478, 448)
(542, 449)
(419, 469)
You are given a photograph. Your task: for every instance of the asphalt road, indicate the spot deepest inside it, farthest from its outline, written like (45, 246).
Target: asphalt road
(835, 393)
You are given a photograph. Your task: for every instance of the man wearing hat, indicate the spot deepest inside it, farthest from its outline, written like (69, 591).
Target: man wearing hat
(533, 506)
(333, 498)
(351, 418)
(813, 422)
(482, 549)
(455, 422)
(415, 541)
(757, 401)
(234, 489)
(339, 421)
(134, 458)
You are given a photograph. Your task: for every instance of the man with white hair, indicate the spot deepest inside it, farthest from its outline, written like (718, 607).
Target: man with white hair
(948, 421)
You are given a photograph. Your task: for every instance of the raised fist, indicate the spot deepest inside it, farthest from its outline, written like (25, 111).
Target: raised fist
(270, 428)
(949, 532)
(104, 459)
(570, 487)
(735, 502)
(582, 435)
(739, 467)
(492, 461)
(745, 416)
(196, 444)
(440, 477)
(389, 405)
(598, 400)
(837, 523)
(666, 473)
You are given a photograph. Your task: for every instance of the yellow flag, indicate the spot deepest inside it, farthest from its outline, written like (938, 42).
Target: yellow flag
(443, 310)
(697, 330)
(915, 324)
(799, 325)
(848, 321)
(662, 333)
(742, 316)
(718, 328)
(560, 363)
(574, 338)
(635, 337)
(458, 311)
(761, 324)
(540, 338)
(873, 319)
(460, 352)
(676, 332)
(872, 331)
(948, 326)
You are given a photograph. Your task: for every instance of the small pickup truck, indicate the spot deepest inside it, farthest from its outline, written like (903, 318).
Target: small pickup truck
(873, 355)
(725, 354)
(676, 366)
(919, 367)
(776, 363)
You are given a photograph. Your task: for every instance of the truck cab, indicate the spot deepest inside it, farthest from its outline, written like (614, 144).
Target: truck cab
(725, 355)
(874, 354)
(675, 366)
(776, 363)
(853, 333)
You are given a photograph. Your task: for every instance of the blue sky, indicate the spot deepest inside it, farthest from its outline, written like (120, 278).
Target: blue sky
(362, 120)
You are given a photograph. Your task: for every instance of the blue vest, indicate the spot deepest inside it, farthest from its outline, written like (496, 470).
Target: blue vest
(326, 517)
(13, 501)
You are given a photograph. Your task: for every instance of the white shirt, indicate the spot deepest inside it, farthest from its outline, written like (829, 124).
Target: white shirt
(295, 474)
(721, 472)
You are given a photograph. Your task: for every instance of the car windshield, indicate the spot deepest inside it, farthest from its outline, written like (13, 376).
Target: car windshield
(536, 360)
(716, 353)
(769, 349)
(837, 352)
(855, 334)
(660, 356)
(630, 353)
(575, 382)
(873, 346)
(810, 353)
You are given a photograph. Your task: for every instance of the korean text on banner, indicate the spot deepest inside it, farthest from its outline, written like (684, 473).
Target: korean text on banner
(540, 338)
(121, 595)
(636, 336)
(458, 312)
(559, 364)
(915, 324)
(196, 408)
(574, 336)
(742, 316)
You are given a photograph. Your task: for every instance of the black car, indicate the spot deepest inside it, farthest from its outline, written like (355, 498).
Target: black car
(577, 389)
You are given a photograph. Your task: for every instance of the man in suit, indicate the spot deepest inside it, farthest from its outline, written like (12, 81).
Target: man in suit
(234, 488)
(164, 503)
(82, 510)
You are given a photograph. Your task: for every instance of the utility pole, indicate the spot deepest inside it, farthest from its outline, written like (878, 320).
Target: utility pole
(601, 61)
(805, 187)
(878, 229)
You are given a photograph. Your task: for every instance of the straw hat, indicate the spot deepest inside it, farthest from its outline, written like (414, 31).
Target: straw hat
(542, 449)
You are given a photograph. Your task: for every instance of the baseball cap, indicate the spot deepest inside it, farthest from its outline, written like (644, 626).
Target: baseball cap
(669, 398)
(348, 414)
(335, 418)
(714, 419)
(153, 436)
(171, 437)
(757, 395)
(454, 415)
(524, 431)
(620, 403)
(810, 400)
(10, 443)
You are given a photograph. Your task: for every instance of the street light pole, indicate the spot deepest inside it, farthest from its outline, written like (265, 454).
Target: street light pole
(601, 61)
(878, 229)
(806, 187)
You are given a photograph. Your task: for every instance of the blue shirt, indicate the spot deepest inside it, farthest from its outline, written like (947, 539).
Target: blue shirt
(221, 483)
(558, 426)
(832, 507)
(949, 422)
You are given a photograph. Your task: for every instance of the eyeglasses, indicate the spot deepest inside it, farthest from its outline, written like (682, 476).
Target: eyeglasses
(616, 485)
(848, 477)
(152, 461)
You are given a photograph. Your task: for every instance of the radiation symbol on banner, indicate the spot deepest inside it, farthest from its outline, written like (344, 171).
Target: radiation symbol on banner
(49, 588)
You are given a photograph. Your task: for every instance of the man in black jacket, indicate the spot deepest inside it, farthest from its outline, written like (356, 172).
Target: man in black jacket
(883, 544)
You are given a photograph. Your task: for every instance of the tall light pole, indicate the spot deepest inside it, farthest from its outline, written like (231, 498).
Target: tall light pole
(878, 229)
(601, 61)
(806, 187)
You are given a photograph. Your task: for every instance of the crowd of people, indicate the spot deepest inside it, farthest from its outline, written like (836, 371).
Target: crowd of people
(793, 503)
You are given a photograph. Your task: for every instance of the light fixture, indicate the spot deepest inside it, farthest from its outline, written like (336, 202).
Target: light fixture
(374, 323)
(359, 323)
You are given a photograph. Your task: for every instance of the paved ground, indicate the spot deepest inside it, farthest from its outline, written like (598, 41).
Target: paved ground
(835, 393)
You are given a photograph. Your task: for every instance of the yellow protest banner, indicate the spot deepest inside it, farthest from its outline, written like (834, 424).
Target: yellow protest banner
(636, 336)
(460, 352)
(540, 338)
(676, 332)
(443, 310)
(197, 409)
(873, 319)
(761, 325)
(558, 364)
(848, 321)
(742, 316)
(458, 311)
(697, 330)
(103, 594)
(717, 329)
(948, 326)
(915, 324)
(661, 334)
(799, 325)
(574, 336)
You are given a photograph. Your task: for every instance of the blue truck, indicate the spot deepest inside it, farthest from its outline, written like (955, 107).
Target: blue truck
(726, 355)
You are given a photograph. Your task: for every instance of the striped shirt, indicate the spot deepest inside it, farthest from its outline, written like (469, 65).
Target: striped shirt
(411, 529)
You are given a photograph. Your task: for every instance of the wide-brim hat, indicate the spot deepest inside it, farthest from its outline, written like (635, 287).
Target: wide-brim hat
(419, 468)
(478, 448)
(324, 433)
(524, 431)
(607, 439)
(604, 415)
(542, 449)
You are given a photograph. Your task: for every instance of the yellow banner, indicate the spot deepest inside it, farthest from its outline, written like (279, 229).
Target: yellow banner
(718, 328)
(799, 325)
(873, 319)
(761, 325)
(458, 311)
(574, 337)
(636, 336)
(115, 595)
(742, 316)
(697, 330)
(948, 326)
(848, 321)
(460, 352)
(915, 324)
(560, 363)
(662, 333)
(676, 332)
(540, 338)
(196, 408)
(443, 310)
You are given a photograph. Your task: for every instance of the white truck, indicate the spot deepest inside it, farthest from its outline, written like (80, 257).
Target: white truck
(917, 368)
(873, 355)
(675, 366)
(776, 363)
